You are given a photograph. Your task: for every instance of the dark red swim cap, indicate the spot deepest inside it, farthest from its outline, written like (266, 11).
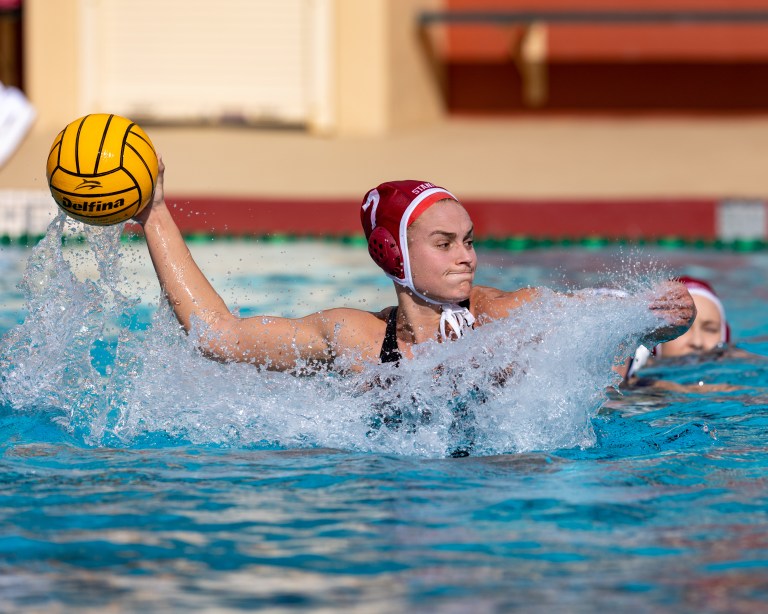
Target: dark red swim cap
(386, 212)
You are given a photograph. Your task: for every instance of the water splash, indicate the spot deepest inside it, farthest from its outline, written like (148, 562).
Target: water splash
(49, 361)
(533, 381)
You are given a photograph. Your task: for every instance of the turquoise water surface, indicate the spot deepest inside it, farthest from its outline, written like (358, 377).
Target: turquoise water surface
(138, 476)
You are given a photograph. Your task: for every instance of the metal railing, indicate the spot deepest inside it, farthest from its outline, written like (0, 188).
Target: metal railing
(427, 18)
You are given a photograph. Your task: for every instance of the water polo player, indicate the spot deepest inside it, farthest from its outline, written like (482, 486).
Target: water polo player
(710, 330)
(420, 235)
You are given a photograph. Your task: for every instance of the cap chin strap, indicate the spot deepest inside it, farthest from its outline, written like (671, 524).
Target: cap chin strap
(453, 316)
(457, 317)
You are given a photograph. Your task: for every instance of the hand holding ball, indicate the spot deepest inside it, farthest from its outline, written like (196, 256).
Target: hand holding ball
(102, 169)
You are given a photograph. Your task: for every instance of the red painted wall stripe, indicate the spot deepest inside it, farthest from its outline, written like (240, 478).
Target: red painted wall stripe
(632, 219)
(247, 216)
(620, 218)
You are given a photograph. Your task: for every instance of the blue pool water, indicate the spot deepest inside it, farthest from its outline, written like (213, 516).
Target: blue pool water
(137, 476)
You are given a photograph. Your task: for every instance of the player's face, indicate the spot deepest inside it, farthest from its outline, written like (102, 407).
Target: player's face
(442, 253)
(705, 334)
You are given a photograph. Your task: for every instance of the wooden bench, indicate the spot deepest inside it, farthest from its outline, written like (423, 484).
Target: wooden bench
(528, 32)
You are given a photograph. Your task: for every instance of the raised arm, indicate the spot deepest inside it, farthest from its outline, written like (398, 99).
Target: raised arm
(671, 303)
(489, 304)
(278, 343)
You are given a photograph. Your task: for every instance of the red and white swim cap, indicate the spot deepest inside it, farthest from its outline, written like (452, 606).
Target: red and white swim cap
(699, 287)
(386, 212)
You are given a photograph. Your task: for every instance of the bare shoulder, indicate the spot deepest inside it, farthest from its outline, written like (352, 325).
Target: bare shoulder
(332, 321)
(488, 304)
(351, 330)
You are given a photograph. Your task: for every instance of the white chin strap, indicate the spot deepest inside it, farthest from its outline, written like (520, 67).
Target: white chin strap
(454, 317)
(458, 318)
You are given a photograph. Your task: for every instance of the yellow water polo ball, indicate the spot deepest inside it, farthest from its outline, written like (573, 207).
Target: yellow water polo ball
(102, 169)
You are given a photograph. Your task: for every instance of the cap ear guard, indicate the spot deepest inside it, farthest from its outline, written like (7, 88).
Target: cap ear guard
(384, 250)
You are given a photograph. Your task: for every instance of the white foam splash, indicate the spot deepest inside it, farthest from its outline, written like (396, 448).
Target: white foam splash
(530, 382)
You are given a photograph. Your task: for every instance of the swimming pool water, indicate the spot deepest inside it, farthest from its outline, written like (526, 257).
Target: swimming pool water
(115, 496)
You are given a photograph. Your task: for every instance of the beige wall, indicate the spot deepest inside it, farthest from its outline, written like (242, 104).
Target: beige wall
(414, 96)
(382, 81)
(361, 58)
(51, 56)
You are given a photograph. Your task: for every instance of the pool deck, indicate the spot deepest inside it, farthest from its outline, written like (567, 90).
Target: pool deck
(621, 176)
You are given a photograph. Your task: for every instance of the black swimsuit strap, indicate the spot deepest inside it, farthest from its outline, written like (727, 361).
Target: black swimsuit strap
(389, 350)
